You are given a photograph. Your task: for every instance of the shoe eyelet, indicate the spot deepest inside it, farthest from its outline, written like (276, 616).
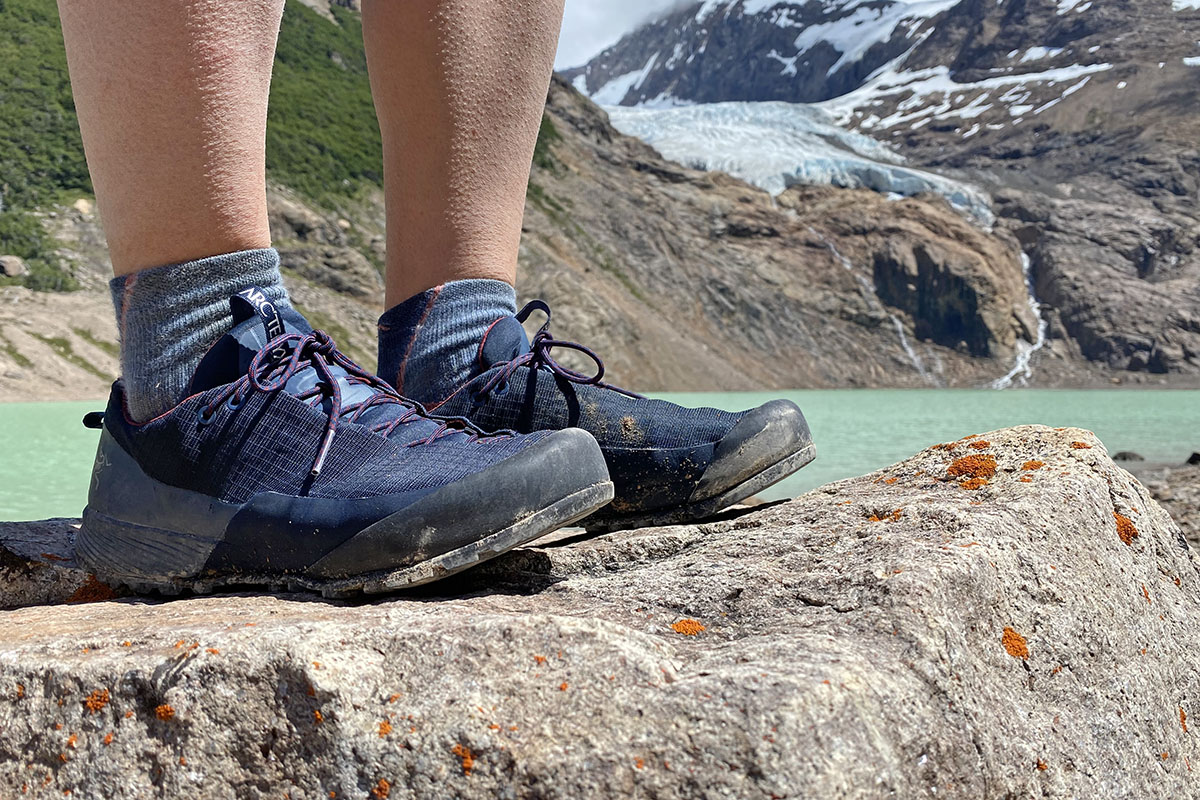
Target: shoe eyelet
(233, 403)
(501, 390)
(204, 417)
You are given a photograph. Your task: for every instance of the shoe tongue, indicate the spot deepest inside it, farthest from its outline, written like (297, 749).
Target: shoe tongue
(256, 321)
(503, 342)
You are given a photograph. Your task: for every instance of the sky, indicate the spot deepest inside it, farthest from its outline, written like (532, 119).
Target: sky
(591, 25)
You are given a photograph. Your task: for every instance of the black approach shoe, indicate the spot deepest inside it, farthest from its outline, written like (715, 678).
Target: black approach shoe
(291, 466)
(669, 464)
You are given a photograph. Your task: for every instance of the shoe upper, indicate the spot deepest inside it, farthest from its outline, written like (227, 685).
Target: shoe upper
(656, 450)
(275, 407)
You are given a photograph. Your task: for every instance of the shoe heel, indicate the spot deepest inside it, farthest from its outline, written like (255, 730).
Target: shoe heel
(137, 530)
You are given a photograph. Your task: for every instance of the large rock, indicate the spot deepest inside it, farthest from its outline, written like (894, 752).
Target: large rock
(897, 635)
(13, 266)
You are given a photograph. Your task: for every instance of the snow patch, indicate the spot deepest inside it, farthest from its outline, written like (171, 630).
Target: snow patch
(1185, 5)
(615, 90)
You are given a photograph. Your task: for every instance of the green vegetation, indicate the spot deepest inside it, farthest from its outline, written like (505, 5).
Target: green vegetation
(41, 155)
(64, 350)
(322, 136)
(108, 347)
(11, 351)
(346, 342)
(547, 136)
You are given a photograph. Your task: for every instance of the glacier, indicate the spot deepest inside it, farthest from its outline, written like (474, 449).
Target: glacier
(774, 145)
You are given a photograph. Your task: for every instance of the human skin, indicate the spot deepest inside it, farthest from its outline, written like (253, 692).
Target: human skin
(459, 89)
(172, 103)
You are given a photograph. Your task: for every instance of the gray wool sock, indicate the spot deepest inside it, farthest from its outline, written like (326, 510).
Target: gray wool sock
(169, 316)
(429, 343)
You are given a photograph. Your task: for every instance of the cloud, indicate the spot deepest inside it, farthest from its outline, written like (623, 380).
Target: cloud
(589, 26)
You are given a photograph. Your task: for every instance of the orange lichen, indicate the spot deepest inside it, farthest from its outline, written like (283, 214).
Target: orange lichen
(126, 643)
(20, 690)
(539, 660)
(1183, 719)
(1014, 643)
(92, 591)
(381, 789)
(1080, 446)
(183, 761)
(1025, 479)
(973, 484)
(164, 712)
(128, 714)
(72, 740)
(212, 651)
(96, 701)
(1032, 465)
(1146, 594)
(468, 758)
(982, 444)
(493, 727)
(318, 717)
(62, 757)
(891, 481)
(385, 728)
(562, 687)
(180, 644)
(394, 698)
(947, 446)
(639, 763)
(688, 627)
(108, 739)
(980, 465)
(1125, 528)
(58, 726)
(894, 516)
(1165, 755)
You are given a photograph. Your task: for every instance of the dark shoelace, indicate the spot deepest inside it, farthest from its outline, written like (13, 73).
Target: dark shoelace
(539, 356)
(270, 372)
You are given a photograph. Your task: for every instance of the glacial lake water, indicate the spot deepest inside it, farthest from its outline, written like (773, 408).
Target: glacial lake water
(46, 453)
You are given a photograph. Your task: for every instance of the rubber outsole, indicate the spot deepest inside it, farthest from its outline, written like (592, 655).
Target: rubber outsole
(691, 512)
(563, 512)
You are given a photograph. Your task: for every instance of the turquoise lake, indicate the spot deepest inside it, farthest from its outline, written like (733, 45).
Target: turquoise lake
(46, 453)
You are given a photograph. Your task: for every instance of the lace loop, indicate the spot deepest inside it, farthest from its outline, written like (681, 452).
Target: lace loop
(269, 371)
(539, 356)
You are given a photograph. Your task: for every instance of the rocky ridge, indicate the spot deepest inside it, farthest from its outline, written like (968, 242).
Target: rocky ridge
(1002, 616)
(1079, 118)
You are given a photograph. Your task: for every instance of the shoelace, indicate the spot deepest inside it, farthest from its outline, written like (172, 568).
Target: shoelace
(269, 372)
(539, 356)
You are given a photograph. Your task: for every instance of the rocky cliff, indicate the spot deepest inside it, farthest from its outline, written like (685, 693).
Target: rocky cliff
(1078, 117)
(1005, 616)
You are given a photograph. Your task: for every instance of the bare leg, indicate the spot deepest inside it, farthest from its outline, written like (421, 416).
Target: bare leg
(172, 102)
(459, 88)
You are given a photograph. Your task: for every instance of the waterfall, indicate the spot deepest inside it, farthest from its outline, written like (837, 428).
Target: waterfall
(872, 298)
(1022, 371)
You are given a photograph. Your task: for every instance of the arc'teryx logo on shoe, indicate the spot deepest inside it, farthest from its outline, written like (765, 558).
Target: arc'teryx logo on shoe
(266, 310)
(272, 321)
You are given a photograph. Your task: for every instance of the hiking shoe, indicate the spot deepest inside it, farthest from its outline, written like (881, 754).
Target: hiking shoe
(291, 466)
(669, 464)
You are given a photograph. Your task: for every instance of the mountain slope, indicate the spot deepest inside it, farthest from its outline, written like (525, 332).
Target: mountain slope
(1079, 118)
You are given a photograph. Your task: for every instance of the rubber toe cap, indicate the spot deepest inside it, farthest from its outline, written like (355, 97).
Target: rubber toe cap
(761, 438)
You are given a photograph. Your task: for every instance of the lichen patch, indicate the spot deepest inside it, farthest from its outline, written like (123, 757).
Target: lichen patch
(1125, 528)
(1014, 643)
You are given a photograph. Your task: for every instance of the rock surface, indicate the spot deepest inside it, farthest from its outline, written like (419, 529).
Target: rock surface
(1177, 489)
(895, 635)
(12, 266)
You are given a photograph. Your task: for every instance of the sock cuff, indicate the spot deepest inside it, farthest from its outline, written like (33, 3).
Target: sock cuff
(443, 324)
(169, 316)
